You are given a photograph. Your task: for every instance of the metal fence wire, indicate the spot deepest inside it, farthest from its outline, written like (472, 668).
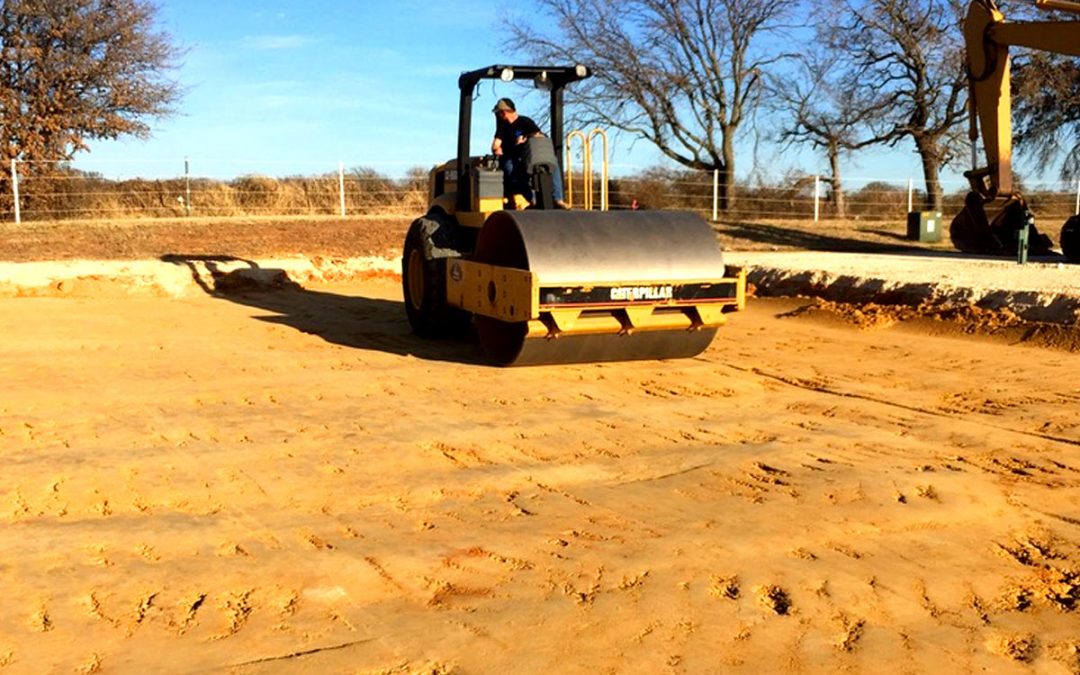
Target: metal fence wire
(56, 191)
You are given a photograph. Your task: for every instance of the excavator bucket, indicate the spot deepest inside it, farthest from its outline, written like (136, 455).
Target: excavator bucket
(582, 286)
(972, 231)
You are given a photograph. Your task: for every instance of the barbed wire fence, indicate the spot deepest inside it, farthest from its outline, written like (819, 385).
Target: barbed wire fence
(44, 191)
(50, 191)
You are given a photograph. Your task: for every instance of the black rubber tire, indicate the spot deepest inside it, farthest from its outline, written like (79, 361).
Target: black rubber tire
(423, 285)
(1070, 239)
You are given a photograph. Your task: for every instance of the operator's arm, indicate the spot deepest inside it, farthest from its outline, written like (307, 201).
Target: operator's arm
(528, 129)
(500, 133)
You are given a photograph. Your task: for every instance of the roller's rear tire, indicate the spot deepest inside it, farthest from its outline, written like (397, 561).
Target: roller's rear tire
(423, 285)
(1070, 239)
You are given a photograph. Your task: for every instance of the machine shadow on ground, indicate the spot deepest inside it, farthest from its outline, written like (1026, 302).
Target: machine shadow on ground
(350, 321)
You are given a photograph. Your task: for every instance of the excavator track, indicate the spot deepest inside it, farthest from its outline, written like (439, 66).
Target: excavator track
(1070, 239)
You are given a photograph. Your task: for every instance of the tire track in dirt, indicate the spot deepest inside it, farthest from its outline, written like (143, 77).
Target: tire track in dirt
(130, 614)
(822, 387)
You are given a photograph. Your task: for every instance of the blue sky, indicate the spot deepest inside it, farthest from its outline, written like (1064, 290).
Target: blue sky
(285, 88)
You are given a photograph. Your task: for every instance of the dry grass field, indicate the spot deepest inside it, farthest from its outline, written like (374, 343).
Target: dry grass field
(241, 237)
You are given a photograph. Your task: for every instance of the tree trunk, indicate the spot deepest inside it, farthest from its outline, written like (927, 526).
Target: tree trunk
(933, 183)
(727, 174)
(725, 190)
(837, 186)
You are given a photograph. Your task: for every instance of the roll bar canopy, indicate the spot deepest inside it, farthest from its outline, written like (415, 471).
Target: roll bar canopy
(552, 78)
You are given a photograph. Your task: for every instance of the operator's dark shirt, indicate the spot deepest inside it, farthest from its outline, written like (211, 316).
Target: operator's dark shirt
(510, 132)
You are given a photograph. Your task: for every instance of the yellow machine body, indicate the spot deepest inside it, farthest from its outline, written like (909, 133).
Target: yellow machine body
(511, 295)
(562, 286)
(546, 285)
(994, 210)
(486, 191)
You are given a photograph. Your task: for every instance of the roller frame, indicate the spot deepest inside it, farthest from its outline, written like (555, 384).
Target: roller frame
(513, 295)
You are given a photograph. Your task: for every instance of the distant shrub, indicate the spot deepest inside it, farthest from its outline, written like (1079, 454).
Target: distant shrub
(257, 193)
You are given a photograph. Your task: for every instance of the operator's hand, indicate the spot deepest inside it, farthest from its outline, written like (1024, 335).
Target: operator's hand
(497, 151)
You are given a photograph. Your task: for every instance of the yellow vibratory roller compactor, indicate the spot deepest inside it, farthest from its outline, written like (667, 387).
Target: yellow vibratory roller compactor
(543, 284)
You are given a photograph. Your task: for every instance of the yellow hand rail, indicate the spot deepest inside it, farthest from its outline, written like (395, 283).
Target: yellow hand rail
(587, 168)
(1065, 5)
(570, 168)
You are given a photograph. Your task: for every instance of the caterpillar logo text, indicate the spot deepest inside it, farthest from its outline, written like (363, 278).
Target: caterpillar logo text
(633, 293)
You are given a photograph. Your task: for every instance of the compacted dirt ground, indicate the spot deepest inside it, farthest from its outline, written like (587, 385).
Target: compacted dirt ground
(281, 480)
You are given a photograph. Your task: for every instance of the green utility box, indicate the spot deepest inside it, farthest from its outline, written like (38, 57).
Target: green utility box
(924, 226)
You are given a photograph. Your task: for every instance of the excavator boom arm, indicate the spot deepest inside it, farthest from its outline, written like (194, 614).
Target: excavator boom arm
(994, 212)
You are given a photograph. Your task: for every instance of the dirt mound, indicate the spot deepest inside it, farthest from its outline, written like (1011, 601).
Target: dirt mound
(964, 320)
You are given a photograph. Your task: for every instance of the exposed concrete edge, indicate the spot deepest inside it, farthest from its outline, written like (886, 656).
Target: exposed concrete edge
(178, 277)
(1029, 305)
(196, 275)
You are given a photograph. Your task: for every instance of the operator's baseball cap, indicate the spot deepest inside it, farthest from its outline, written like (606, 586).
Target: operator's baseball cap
(504, 104)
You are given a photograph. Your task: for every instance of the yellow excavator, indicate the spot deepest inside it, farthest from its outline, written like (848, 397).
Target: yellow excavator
(546, 285)
(995, 218)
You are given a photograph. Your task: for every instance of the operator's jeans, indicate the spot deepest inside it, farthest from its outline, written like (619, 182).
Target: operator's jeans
(516, 181)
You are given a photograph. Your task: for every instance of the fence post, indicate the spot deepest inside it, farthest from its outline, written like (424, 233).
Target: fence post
(187, 188)
(15, 190)
(341, 186)
(817, 198)
(910, 194)
(715, 193)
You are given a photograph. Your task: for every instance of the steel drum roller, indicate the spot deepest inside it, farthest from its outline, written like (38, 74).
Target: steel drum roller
(579, 248)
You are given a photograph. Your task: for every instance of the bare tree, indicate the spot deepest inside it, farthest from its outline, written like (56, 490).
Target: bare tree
(911, 53)
(681, 74)
(1046, 111)
(77, 70)
(829, 110)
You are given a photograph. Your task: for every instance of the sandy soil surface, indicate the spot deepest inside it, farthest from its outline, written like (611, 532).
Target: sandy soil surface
(281, 477)
(273, 481)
